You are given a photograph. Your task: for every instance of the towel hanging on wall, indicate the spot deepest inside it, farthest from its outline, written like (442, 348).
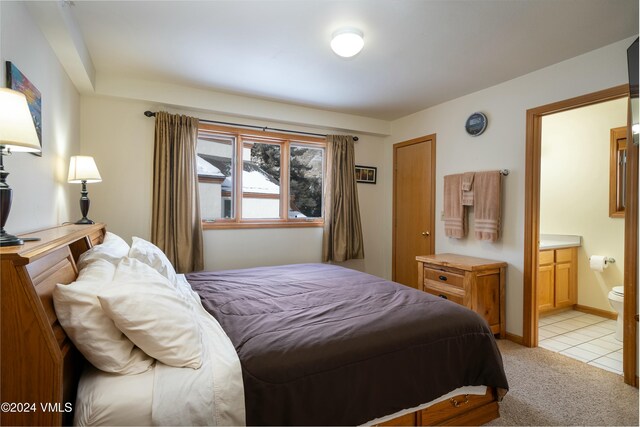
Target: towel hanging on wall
(487, 205)
(481, 190)
(454, 213)
(467, 188)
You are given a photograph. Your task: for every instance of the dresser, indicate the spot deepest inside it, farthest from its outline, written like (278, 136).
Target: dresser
(476, 283)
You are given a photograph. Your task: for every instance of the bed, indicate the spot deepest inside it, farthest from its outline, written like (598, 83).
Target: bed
(341, 368)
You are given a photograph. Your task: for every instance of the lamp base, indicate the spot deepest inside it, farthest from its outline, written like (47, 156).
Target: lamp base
(85, 221)
(7, 239)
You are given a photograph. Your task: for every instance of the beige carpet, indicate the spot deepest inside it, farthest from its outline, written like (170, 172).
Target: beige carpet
(547, 388)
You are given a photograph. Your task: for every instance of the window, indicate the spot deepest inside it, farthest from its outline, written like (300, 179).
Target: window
(305, 181)
(617, 171)
(259, 179)
(215, 164)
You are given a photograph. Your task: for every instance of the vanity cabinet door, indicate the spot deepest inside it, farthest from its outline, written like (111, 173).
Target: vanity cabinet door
(563, 285)
(546, 287)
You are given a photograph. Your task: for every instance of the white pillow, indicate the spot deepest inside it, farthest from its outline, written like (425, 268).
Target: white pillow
(112, 249)
(90, 329)
(150, 312)
(153, 256)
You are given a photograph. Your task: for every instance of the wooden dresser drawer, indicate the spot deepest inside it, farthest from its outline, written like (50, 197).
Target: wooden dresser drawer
(449, 277)
(448, 411)
(444, 291)
(403, 420)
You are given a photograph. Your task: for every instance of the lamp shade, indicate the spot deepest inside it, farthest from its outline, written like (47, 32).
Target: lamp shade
(83, 168)
(17, 131)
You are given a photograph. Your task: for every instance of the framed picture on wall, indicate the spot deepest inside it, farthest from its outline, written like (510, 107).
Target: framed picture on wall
(366, 174)
(18, 81)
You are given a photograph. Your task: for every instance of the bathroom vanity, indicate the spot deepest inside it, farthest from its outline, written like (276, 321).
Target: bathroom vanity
(557, 272)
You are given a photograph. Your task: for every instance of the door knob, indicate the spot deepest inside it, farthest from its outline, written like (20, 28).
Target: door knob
(426, 233)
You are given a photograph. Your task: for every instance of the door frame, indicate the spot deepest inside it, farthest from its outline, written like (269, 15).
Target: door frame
(532, 224)
(432, 240)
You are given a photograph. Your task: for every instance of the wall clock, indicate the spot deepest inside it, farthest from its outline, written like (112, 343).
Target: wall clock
(476, 124)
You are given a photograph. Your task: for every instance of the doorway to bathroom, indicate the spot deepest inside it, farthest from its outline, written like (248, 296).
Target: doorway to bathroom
(561, 233)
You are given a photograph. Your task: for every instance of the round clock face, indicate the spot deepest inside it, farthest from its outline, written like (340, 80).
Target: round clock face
(476, 124)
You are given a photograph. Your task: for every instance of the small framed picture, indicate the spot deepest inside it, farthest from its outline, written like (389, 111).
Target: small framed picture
(366, 174)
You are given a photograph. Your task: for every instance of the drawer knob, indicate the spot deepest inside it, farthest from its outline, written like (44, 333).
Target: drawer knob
(443, 296)
(456, 403)
(444, 278)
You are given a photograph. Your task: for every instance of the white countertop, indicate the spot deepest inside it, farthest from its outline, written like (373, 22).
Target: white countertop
(559, 241)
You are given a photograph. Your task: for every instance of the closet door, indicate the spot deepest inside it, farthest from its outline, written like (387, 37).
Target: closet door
(413, 206)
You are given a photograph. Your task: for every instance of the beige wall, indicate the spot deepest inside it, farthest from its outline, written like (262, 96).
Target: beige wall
(120, 138)
(502, 146)
(41, 195)
(574, 192)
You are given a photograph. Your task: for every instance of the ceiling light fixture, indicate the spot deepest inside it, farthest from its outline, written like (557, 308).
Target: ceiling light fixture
(347, 42)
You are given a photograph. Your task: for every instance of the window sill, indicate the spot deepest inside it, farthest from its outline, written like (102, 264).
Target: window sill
(223, 225)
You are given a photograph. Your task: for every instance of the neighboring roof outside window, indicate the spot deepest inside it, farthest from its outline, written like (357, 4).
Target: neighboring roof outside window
(207, 169)
(254, 178)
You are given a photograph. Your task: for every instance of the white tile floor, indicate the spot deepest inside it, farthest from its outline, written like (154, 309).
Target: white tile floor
(584, 337)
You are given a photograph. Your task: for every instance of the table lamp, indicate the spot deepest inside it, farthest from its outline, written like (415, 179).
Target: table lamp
(83, 169)
(17, 134)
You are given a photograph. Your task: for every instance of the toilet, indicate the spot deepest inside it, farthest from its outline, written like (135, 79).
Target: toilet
(616, 298)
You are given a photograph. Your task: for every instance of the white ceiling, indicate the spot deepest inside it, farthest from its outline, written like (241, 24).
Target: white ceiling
(417, 53)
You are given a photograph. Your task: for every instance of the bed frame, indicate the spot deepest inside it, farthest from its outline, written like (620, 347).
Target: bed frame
(40, 367)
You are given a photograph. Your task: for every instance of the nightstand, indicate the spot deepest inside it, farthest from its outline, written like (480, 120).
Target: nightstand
(476, 283)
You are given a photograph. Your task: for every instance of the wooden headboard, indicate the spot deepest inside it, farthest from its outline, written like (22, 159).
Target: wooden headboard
(39, 364)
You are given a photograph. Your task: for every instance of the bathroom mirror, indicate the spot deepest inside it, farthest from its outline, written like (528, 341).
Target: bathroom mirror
(617, 172)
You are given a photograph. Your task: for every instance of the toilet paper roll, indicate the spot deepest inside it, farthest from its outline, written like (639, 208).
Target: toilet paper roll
(598, 262)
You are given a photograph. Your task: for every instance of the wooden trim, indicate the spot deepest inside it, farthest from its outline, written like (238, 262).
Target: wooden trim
(236, 197)
(596, 311)
(227, 225)
(262, 134)
(514, 338)
(284, 180)
(598, 97)
(432, 227)
(630, 305)
(531, 229)
(532, 222)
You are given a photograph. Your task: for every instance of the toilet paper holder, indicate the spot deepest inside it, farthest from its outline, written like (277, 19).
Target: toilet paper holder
(607, 260)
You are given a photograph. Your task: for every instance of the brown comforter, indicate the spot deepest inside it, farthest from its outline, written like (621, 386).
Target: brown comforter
(325, 345)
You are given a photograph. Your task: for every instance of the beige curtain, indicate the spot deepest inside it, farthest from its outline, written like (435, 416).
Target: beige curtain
(175, 224)
(342, 237)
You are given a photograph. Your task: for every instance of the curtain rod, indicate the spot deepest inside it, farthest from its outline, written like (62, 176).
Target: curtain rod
(262, 128)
